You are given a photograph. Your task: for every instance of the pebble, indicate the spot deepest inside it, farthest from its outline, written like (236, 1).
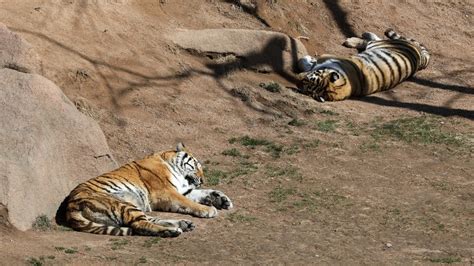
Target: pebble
(388, 245)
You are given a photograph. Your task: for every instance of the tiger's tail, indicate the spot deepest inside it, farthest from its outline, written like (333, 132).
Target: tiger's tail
(361, 43)
(80, 223)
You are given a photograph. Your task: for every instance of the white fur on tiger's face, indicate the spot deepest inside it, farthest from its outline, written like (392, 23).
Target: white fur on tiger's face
(380, 66)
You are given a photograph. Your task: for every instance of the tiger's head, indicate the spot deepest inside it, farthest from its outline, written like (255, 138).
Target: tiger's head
(182, 161)
(325, 84)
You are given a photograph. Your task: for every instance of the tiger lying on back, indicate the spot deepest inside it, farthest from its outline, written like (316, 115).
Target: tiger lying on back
(115, 203)
(380, 65)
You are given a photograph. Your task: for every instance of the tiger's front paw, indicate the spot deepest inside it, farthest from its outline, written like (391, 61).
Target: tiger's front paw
(184, 225)
(218, 199)
(207, 212)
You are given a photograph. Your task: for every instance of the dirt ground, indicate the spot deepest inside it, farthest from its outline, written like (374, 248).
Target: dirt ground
(385, 179)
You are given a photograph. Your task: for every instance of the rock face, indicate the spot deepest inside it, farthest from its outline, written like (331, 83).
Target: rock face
(262, 50)
(16, 53)
(47, 146)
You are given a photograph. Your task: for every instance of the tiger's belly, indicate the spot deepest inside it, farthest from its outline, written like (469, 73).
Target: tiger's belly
(382, 69)
(136, 199)
(124, 190)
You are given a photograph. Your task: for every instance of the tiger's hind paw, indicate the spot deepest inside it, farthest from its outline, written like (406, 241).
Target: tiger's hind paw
(186, 225)
(355, 42)
(370, 36)
(172, 232)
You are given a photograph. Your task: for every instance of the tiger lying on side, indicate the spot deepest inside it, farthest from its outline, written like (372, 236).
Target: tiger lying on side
(115, 203)
(380, 65)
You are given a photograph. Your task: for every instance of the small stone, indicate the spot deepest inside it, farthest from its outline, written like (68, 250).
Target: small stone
(388, 245)
(306, 222)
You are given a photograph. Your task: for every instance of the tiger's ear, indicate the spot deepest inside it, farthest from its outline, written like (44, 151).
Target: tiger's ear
(180, 147)
(334, 76)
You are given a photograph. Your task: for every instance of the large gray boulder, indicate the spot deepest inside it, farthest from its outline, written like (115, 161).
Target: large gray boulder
(261, 50)
(47, 146)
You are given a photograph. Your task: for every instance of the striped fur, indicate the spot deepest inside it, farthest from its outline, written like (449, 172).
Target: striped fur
(380, 65)
(115, 203)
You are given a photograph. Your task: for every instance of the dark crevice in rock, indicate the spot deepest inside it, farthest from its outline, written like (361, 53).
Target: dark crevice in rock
(4, 216)
(16, 67)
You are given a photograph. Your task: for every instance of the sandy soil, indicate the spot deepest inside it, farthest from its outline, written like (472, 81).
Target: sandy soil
(385, 179)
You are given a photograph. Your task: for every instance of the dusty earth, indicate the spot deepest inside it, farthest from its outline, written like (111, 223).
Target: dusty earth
(385, 179)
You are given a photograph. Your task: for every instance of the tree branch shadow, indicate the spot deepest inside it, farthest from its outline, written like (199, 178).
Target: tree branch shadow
(340, 16)
(439, 85)
(436, 110)
(271, 56)
(115, 92)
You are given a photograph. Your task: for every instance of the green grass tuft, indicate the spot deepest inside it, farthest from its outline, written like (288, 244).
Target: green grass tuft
(35, 261)
(311, 144)
(244, 168)
(369, 146)
(271, 86)
(118, 243)
(280, 194)
(70, 251)
(293, 149)
(213, 176)
(232, 152)
(142, 260)
(270, 147)
(39, 261)
(287, 171)
(274, 150)
(423, 129)
(42, 223)
(151, 241)
(66, 250)
(296, 122)
(328, 112)
(240, 218)
(326, 125)
(446, 260)
(250, 142)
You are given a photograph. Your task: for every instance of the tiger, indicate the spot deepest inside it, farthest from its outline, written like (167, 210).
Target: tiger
(115, 203)
(380, 65)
